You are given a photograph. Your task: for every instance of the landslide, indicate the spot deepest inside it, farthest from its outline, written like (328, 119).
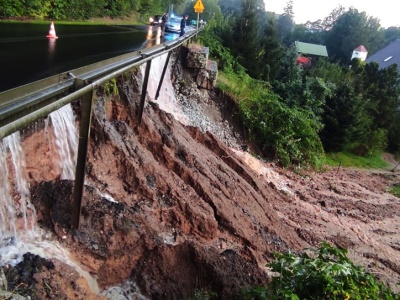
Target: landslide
(179, 208)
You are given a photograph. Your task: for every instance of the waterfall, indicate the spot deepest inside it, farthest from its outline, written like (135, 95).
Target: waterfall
(16, 210)
(7, 214)
(66, 139)
(166, 100)
(19, 205)
(18, 231)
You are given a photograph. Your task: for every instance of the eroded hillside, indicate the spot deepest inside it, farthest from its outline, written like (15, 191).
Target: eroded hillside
(179, 209)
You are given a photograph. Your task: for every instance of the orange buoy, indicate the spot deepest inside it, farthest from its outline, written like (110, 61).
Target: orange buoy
(52, 32)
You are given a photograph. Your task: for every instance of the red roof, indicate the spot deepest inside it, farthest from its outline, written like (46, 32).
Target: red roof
(361, 48)
(303, 60)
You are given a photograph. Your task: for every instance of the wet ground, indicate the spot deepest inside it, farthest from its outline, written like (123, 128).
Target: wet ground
(180, 208)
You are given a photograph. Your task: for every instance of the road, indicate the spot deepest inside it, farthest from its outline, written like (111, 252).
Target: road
(27, 55)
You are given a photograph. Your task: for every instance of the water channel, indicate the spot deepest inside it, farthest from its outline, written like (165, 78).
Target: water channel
(27, 55)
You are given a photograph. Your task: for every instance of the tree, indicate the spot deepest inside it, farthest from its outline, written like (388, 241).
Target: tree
(286, 23)
(391, 34)
(287, 135)
(350, 30)
(272, 51)
(382, 88)
(327, 23)
(344, 114)
(302, 33)
(246, 39)
(230, 7)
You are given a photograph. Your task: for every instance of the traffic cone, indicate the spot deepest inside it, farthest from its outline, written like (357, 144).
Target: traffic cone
(52, 32)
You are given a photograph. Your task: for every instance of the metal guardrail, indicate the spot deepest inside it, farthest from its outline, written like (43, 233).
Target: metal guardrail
(16, 104)
(24, 105)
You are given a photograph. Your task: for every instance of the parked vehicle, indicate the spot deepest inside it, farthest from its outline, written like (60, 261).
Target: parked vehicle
(173, 24)
(156, 20)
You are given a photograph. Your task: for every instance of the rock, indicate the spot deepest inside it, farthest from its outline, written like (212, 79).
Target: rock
(207, 78)
(197, 56)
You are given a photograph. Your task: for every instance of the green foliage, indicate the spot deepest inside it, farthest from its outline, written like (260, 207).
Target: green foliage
(395, 190)
(12, 8)
(349, 159)
(59, 10)
(287, 135)
(392, 34)
(79, 9)
(376, 142)
(272, 51)
(230, 7)
(211, 37)
(380, 91)
(327, 273)
(299, 90)
(246, 41)
(203, 294)
(290, 135)
(344, 118)
(286, 24)
(111, 88)
(38, 9)
(351, 29)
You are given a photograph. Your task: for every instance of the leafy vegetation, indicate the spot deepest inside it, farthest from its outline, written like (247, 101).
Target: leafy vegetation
(294, 114)
(81, 9)
(395, 190)
(349, 159)
(325, 273)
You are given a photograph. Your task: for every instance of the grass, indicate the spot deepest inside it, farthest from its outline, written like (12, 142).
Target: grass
(395, 190)
(347, 159)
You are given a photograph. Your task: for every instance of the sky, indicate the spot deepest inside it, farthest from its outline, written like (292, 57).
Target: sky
(312, 10)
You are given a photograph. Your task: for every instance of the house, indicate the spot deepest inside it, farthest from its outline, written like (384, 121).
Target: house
(360, 52)
(307, 51)
(303, 61)
(387, 56)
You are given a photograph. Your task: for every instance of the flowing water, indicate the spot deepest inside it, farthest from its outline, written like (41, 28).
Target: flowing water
(66, 139)
(19, 235)
(21, 205)
(166, 99)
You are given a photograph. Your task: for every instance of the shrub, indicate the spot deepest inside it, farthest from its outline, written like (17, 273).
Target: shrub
(327, 274)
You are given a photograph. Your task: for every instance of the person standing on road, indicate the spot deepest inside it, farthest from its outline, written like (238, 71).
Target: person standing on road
(164, 20)
(183, 24)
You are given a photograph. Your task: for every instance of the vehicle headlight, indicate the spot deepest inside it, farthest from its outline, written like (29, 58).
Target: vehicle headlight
(151, 19)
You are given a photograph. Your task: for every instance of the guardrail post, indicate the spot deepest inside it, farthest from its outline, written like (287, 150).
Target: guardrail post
(144, 90)
(162, 75)
(84, 133)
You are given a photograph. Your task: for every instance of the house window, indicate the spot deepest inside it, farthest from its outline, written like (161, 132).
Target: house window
(386, 59)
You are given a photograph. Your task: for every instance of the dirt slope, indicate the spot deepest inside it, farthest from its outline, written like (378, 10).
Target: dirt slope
(177, 210)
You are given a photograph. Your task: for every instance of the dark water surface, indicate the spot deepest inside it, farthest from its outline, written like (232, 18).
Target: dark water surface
(27, 55)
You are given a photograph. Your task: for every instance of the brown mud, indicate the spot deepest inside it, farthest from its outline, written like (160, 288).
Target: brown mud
(175, 209)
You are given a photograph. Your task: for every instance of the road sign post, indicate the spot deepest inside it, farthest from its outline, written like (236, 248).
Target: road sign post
(198, 8)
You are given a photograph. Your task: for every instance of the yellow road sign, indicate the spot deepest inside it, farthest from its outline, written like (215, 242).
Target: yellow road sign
(198, 7)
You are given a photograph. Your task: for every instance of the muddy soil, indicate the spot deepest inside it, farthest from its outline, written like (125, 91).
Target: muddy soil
(182, 209)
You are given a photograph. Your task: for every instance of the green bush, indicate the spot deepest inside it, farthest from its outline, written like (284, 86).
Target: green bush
(327, 274)
(395, 190)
